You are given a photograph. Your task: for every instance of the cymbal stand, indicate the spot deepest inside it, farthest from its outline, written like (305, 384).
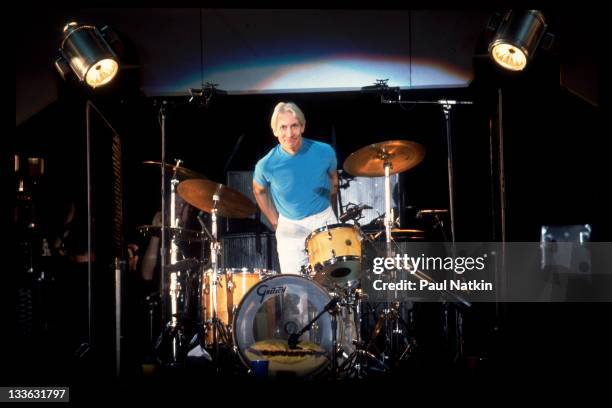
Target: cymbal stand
(200, 332)
(174, 289)
(215, 249)
(173, 330)
(389, 219)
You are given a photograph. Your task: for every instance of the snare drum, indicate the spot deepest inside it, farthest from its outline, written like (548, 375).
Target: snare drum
(334, 254)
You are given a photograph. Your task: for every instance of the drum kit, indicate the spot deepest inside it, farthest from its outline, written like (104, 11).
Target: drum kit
(305, 324)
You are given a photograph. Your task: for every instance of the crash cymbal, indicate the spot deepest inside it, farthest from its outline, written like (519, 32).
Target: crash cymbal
(181, 172)
(369, 161)
(178, 233)
(232, 203)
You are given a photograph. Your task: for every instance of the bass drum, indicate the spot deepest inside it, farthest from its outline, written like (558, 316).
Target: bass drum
(279, 306)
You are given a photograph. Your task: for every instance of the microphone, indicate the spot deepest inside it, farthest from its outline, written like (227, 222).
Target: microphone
(420, 214)
(354, 212)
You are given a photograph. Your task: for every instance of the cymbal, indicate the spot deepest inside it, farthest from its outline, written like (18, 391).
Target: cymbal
(401, 233)
(232, 203)
(181, 172)
(406, 231)
(369, 161)
(182, 234)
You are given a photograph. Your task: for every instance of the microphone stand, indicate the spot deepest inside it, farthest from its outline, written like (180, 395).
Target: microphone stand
(329, 307)
(446, 105)
(174, 330)
(446, 109)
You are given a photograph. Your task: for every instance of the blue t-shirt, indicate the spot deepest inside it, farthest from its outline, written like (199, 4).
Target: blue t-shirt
(299, 184)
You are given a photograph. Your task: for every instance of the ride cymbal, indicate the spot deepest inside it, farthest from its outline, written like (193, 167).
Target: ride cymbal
(369, 161)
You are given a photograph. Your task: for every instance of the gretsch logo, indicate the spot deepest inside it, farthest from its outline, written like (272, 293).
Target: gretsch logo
(265, 290)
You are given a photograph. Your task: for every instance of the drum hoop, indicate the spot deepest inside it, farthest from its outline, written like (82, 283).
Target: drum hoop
(238, 271)
(330, 227)
(245, 360)
(341, 258)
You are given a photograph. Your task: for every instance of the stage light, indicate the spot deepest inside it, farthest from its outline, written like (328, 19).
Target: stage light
(517, 38)
(85, 51)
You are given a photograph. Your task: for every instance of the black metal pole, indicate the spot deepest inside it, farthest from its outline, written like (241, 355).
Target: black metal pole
(163, 263)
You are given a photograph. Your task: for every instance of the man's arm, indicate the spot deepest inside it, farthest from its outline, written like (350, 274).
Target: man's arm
(333, 175)
(150, 256)
(264, 200)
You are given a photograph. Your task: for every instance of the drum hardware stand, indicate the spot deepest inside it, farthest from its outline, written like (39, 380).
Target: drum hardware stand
(357, 361)
(392, 314)
(152, 301)
(174, 332)
(215, 249)
(333, 311)
(200, 335)
(172, 328)
(330, 307)
(446, 109)
(176, 329)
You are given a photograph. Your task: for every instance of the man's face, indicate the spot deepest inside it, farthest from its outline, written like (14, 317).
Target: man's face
(289, 132)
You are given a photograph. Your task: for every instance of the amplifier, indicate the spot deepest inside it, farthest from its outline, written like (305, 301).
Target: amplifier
(242, 181)
(243, 251)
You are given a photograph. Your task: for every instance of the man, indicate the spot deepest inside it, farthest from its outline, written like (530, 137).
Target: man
(295, 186)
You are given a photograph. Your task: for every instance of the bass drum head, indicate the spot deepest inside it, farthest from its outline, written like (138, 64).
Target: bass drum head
(274, 309)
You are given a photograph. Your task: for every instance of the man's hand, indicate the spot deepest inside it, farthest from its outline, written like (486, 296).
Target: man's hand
(333, 175)
(132, 250)
(264, 200)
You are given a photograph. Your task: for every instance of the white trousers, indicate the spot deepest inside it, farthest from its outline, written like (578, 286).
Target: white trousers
(291, 236)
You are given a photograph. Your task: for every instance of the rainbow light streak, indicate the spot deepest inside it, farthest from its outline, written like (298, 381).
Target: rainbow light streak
(329, 74)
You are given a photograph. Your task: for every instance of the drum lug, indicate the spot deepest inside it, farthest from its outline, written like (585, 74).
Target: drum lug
(333, 253)
(230, 281)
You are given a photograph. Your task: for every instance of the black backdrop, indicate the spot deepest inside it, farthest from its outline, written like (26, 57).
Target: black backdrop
(555, 157)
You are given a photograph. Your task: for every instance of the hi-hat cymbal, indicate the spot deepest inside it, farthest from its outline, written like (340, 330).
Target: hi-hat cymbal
(178, 233)
(232, 203)
(181, 172)
(369, 161)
